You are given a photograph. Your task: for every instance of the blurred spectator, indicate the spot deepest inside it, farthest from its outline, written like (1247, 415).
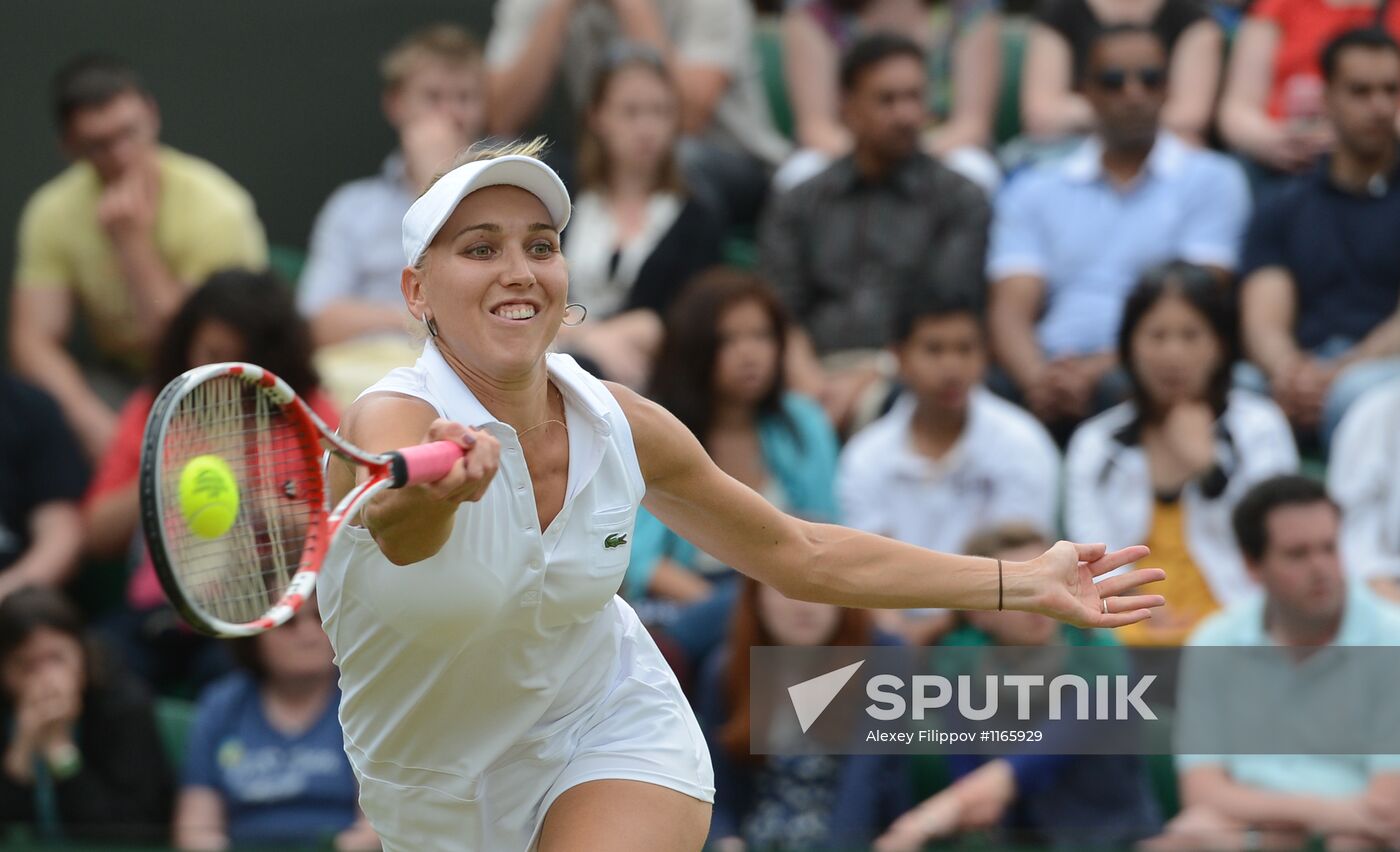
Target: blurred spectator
(884, 222)
(1321, 305)
(41, 528)
(266, 760)
(83, 759)
(1287, 528)
(730, 141)
(1072, 238)
(950, 457)
(720, 371)
(120, 237)
(1274, 108)
(1363, 475)
(235, 316)
(962, 45)
(434, 97)
(635, 236)
(1166, 468)
(806, 802)
(1061, 801)
(1057, 57)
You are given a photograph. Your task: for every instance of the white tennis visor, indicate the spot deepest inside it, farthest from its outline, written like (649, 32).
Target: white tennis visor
(434, 207)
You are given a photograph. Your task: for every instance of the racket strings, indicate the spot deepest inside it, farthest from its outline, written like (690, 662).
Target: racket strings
(240, 574)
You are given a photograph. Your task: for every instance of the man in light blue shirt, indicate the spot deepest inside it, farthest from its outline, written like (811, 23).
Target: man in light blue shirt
(1312, 697)
(1070, 239)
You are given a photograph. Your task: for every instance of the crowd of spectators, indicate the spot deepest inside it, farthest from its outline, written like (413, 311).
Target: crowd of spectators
(1135, 322)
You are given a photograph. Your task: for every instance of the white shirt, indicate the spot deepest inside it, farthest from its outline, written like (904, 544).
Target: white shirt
(591, 241)
(1363, 476)
(506, 639)
(1003, 468)
(1108, 487)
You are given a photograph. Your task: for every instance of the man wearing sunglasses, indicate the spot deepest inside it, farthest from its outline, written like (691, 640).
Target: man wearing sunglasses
(1071, 238)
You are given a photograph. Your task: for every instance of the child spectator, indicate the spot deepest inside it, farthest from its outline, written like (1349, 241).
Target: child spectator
(635, 236)
(1167, 467)
(807, 802)
(434, 96)
(721, 372)
(1060, 801)
(236, 316)
(41, 526)
(950, 457)
(82, 756)
(266, 759)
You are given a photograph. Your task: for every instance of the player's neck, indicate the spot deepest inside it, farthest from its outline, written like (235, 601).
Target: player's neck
(521, 403)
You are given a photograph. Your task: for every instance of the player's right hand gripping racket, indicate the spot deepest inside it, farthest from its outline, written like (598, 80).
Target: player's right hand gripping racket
(234, 495)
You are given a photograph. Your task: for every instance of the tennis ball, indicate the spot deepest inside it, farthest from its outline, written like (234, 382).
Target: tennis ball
(208, 496)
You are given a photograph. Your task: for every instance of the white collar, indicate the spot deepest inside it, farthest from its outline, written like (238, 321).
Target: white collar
(577, 386)
(1167, 157)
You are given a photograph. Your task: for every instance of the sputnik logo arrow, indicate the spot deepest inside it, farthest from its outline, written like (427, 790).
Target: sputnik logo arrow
(811, 697)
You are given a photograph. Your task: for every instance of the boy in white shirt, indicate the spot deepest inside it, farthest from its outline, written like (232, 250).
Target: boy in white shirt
(950, 457)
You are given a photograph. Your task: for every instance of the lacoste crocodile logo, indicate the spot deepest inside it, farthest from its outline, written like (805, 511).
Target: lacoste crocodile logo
(615, 540)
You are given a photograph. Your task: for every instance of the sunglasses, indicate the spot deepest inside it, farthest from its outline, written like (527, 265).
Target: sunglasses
(1116, 79)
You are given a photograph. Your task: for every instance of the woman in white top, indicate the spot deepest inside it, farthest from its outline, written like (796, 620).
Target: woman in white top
(497, 694)
(1168, 466)
(636, 235)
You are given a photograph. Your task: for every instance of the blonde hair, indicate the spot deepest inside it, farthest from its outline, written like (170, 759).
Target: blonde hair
(486, 150)
(442, 42)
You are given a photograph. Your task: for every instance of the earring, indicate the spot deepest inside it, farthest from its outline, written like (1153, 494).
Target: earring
(583, 314)
(430, 324)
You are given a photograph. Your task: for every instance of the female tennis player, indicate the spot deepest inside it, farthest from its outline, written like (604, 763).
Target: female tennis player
(497, 694)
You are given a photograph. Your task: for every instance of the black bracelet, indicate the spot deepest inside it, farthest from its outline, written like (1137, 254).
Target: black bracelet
(1000, 588)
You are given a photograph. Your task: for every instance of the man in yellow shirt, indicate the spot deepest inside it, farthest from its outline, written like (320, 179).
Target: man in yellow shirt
(120, 236)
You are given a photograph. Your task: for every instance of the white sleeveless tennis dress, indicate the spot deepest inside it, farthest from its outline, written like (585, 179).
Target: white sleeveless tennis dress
(479, 684)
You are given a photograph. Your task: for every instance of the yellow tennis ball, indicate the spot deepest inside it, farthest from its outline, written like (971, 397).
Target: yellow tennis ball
(208, 496)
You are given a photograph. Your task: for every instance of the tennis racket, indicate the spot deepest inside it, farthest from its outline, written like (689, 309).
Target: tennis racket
(234, 495)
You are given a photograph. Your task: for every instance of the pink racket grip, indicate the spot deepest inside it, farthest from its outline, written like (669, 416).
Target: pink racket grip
(423, 463)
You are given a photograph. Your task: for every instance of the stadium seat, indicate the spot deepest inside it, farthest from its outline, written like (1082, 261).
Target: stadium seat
(768, 47)
(1007, 121)
(286, 261)
(174, 717)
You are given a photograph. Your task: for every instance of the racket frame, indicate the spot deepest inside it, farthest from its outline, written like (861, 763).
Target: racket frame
(387, 470)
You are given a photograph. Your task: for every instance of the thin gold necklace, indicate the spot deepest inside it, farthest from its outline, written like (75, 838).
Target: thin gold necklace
(519, 435)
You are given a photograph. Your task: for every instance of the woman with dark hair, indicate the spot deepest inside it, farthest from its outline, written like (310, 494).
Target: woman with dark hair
(1167, 466)
(266, 759)
(237, 315)
(720, 372)
(807, 802)
(82, 754)
(635, 236)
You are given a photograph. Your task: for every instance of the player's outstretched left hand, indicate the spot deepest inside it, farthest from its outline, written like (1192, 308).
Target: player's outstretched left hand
(1064, 585)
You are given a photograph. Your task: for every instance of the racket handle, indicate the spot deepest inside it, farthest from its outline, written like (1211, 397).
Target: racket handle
(424, 463)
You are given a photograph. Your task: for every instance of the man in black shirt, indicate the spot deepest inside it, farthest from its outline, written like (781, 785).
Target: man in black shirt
(851, 244)
(1322, 259)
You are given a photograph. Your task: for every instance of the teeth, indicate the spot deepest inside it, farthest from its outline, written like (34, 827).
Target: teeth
(516, 312)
